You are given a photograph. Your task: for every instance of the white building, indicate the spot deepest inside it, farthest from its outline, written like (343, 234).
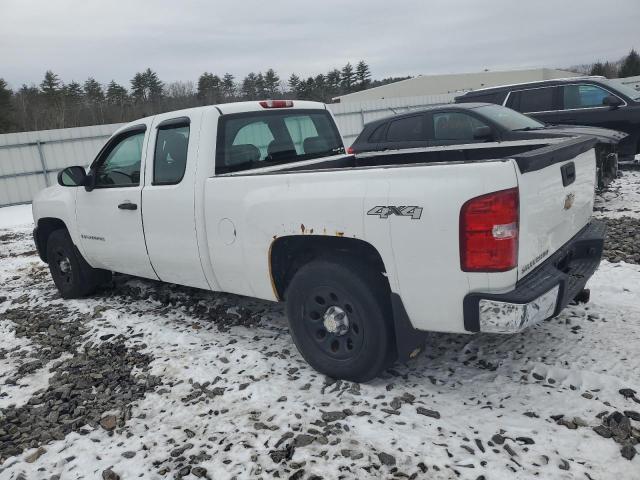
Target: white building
(453, 83)
(633, 82)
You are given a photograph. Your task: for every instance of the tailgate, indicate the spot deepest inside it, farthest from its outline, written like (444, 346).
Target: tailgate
(557, 188)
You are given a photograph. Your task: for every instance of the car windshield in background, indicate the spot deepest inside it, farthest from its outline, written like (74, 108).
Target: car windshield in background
(509, 119)
(630, 92)
(261, 139)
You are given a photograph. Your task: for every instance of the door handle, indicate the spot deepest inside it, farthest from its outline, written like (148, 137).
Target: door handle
(128, 206)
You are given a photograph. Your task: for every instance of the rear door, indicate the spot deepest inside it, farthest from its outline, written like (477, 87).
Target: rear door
(406, 132)
(541, 103)
(109, 217)
(168, 201)
(557, 189)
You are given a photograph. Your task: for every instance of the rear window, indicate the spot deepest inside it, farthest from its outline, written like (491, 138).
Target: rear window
(261, 139)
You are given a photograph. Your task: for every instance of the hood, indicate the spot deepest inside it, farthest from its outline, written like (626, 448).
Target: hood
(604, 135)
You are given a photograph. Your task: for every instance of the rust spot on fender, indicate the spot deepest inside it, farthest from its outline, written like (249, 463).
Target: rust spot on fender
(302, 227)
(311, 231)
(339, 234)
(273, 283)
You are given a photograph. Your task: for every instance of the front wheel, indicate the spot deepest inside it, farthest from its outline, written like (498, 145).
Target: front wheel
(72, 275)
(339, 317)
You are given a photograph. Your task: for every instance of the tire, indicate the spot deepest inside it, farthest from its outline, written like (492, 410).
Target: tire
(356, 346)
(72, 275)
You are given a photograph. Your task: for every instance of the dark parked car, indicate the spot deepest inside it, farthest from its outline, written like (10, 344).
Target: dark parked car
(468, 123)
(593, 101)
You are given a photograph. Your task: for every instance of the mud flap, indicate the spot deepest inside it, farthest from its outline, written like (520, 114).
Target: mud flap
(409, 341)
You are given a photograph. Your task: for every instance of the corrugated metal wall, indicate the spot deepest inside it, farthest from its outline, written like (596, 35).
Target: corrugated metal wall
(30, 161)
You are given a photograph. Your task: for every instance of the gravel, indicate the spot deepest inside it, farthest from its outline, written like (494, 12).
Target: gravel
(622, 243)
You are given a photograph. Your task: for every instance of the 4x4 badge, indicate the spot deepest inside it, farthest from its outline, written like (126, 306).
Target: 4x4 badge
(402, 211)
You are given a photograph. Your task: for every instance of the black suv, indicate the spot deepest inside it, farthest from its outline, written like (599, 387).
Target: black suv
(461, 124)
(593, 101)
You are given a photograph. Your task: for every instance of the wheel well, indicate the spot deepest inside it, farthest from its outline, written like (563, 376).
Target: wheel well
(45, 227)
(288, 254)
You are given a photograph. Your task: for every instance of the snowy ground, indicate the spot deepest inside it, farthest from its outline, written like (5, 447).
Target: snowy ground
(168, 382)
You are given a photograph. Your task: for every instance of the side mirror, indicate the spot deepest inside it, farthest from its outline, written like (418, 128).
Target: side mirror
(72, 177)
(482, 133)
(612, 101)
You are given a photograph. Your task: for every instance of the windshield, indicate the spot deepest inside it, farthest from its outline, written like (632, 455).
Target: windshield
(274, 137)
(509, 119)
(630, 92)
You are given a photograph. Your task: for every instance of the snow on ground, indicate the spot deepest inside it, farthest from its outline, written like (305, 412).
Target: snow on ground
(15, 216)
(622, 197)
(219, 391)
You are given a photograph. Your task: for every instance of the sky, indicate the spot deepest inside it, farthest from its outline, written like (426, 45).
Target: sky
(180, 39)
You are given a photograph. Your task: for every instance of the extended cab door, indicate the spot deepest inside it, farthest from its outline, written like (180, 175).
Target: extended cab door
(405, 132)
(168, 199)
(109, 217)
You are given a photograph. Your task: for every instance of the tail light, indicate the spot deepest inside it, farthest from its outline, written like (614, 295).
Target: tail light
(489, 227)
(350, 151)
(276, 103)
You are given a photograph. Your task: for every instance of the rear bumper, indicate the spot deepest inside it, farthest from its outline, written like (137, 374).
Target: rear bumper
(544, 292)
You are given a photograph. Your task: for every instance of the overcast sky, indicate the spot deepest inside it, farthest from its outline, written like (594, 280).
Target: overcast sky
(180, 39)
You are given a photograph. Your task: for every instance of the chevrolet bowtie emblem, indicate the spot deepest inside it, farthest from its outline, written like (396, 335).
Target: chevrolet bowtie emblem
(568, 201)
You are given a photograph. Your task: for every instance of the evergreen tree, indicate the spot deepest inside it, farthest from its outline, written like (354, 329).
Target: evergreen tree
(73, 93)
(209, 88)
(363, 75)
(347, 78)
(146, 86)
(271, 83)
(93, 91)
(294, 83)
(228, 87)
(333, 81)
(248, 88)
(51, 86)
(597, 69)
(630, 65)
(260, 86)
(116, 94)
(6, 107)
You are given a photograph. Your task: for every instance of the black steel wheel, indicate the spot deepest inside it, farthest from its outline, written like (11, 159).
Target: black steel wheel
(72, 275)
(339, 318)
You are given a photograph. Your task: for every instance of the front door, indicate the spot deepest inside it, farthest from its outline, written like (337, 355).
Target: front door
(110, 216)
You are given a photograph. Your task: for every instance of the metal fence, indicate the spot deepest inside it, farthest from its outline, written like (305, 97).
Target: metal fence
(30, 161)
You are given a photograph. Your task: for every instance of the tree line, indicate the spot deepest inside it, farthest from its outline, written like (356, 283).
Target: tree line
(627, 66)
(55, 104)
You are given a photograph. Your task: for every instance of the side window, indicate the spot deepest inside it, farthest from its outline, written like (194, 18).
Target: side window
(170, 159)
(406, 129)
(583, 96)
(121, 167)
(455, 126)
(377, 135)
(536, 100)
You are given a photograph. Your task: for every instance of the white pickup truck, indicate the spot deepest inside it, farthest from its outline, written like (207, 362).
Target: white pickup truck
(368, 251)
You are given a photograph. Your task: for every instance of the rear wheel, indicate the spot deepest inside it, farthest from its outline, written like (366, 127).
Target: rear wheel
(339, 319)
(72, 275)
